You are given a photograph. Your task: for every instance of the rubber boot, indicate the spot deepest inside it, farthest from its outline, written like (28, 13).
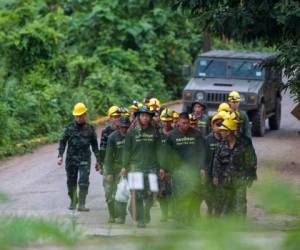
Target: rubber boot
(164, 209)
(111, 211)
(121, 212)
(83, 191)
(72, 192)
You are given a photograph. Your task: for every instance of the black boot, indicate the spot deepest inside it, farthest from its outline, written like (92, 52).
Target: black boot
(83, 191)
(164, 209)
(111, 211)
(72, 192)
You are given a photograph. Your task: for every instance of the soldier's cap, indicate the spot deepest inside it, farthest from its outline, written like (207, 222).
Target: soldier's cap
(198, 102)
(144, 109)
(124, 121)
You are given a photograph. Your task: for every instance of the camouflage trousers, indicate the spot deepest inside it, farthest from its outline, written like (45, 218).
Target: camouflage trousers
(78, 172)
(231, 198)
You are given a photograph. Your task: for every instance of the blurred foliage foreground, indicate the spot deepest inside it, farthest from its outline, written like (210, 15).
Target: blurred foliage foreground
(275, 197)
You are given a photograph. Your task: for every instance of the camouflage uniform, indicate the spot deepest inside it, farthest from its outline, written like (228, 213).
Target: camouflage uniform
(140, 154)
(113, 166)
(212, 146)
(187, 152)
(235, 169)
(79, 139)
(103, 141)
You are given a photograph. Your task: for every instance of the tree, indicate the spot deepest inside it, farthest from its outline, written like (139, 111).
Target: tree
(275, 22)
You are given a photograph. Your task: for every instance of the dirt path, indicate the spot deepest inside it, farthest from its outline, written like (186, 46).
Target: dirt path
(36, 185)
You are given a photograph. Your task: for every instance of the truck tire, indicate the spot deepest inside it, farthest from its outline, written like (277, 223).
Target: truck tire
(259, 121)
(274, 121)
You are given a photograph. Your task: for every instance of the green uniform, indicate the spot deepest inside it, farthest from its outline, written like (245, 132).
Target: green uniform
(113, 166)
(210, 193)
(246, 128)
(188, 157)
(165, 183)
(235, 169)
(140, 154)
(203, 125)
(79, 139)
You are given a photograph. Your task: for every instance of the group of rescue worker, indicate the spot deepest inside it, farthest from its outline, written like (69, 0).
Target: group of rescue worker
(196, 159)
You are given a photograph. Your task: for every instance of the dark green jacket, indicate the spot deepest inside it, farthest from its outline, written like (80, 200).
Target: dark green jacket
(203, 124)
(103, 141)
(163, 153)
(213, 144)
(240, 162)
(187, 149)
(246, 128)
(114, 153)
(140, 150)
(79, 139)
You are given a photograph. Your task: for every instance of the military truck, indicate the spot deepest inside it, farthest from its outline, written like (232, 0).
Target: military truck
(255, 75)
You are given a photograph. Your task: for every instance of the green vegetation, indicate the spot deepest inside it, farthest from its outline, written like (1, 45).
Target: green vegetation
(274, 23)
(56, 53)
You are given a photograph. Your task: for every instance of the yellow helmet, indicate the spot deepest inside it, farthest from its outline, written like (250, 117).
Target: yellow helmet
(193, 119)
(166, 115)
(175, 115)
(236, 116)
(222, 115)
(229, 125)
(224, 107)
(135, 105)
(79, 109)
(114, 111)
(124, 112)
(154, 104)
(234, 96)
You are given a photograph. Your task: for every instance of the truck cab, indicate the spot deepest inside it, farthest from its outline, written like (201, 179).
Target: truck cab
(255, 75)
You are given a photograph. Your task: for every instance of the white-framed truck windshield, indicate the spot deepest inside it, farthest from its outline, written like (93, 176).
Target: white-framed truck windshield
(211, 68)
(236, 69)
(246, 70)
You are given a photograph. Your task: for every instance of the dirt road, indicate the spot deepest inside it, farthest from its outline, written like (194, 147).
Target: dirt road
(36, 185)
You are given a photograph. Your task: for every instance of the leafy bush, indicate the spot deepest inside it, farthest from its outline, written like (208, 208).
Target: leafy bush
(57, 53)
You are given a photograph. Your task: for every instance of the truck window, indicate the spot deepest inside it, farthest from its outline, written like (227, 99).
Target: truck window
(246, 69)
(211, 68)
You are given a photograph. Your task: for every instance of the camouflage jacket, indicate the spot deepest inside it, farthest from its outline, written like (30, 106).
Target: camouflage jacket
(240, 162)
(103, 141)
(79, 139)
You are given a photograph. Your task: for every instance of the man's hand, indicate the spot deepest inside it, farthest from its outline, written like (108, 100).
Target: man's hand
(109, 178)
(98, 167)
(60, 160)
(216, 181)
(202, 175)
(123, 172)
(162, 174)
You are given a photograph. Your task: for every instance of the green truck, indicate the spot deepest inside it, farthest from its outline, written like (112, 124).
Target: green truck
(256, 76)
